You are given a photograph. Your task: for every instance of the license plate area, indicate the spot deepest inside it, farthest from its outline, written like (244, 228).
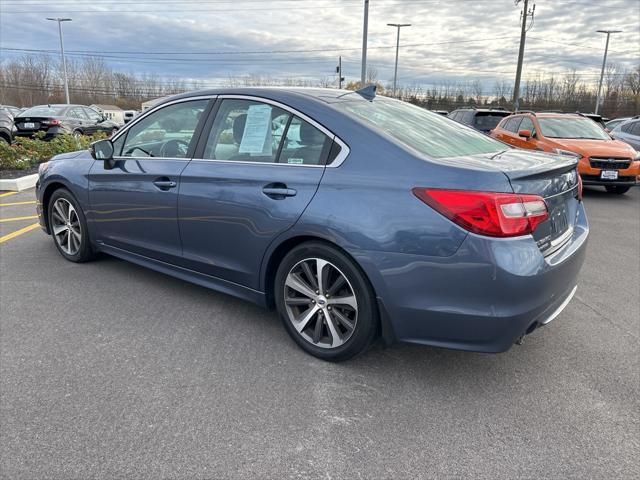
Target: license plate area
(609, 175)
(29, 126)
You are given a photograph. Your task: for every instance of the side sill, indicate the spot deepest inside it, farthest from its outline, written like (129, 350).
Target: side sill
(207, 281)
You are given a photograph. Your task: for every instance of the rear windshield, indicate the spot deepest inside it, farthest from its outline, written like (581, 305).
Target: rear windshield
(488, 121)
(43, 111)
(427, 132)
(559, 127)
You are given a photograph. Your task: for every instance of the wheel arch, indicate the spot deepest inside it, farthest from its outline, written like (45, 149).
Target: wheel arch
(46, 198)
(278, 252)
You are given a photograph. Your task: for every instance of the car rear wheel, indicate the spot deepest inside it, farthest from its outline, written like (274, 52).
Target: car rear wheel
(77, 133)
(325, 302)
(68, 227)
(617, 189)
(113, 132)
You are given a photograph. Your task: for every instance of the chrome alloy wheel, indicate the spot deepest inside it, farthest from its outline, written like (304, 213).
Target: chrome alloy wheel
(320, 303)
(65, 225)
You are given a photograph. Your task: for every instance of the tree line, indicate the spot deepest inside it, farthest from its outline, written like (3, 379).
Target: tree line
(32, 80)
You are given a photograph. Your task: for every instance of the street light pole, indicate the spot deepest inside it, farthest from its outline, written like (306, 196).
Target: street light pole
(395, 71)
(604, 63)
(64, 61)
(365, 27)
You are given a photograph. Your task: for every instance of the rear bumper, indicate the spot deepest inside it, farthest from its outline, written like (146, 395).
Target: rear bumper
(482, 298)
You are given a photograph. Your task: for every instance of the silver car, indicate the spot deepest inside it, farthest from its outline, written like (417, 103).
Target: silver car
(629, 132)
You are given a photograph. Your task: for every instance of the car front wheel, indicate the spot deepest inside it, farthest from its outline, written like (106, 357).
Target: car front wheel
(325, 302)
(617, 189)
(68, 227)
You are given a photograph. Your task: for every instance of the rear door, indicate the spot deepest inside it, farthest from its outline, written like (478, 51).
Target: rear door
(257, 167)
(134, 202)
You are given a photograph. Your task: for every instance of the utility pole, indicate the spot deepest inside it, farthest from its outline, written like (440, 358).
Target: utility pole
(604, 64)
(526, 13)
(339, 72)
(64, 61)
(363, 73)
(395, 71)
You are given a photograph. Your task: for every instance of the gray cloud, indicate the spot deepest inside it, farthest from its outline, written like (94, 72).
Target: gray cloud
(562, 39)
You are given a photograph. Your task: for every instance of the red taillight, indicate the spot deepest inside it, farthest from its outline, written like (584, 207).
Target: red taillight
(488, 213)
(51, 122)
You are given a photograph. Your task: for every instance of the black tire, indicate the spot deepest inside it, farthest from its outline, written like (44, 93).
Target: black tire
(113, 132)
(617, 189)
(84, 252)
(77, 133)
(366, 320)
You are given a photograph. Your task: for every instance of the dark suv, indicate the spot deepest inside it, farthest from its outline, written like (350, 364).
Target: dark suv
(58, 119)
(483, 119)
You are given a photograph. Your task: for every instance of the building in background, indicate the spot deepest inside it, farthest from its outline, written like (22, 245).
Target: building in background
(110, 112)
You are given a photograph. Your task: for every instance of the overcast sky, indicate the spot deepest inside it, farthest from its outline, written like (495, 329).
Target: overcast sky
(214, 39)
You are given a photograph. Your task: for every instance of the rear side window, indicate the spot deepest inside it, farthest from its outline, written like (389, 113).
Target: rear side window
(253, 131)
(424, 131)
(632, 128)
(466, 117)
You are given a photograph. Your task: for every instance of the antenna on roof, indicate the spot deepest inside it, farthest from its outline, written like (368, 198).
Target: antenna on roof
(368, 92)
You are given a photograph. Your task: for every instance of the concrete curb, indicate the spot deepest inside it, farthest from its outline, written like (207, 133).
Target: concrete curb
(19, 184)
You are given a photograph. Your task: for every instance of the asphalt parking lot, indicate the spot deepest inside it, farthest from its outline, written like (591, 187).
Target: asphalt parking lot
(109, 370)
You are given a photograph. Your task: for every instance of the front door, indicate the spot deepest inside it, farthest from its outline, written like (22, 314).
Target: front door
(133, 205)
(260, 167)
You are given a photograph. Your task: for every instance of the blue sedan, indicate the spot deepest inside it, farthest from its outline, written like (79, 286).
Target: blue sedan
(356, 216)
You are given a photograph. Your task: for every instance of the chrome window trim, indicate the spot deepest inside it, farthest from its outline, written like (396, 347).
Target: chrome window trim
(131, 123)
(344, 148)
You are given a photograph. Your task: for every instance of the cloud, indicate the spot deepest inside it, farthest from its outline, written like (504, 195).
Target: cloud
(448, 39)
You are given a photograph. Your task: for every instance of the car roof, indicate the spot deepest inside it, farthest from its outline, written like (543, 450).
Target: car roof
(326, 95)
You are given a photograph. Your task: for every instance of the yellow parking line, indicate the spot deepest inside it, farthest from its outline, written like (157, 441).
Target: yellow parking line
(15, 219)
(7, 194)
(31, 202)
(17, 233)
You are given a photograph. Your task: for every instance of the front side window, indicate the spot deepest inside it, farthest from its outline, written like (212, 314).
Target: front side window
(92, 114)
(527, 124)
(252, 131)
(568, 127)
(167, 132)
(424, 131)
(512, 124)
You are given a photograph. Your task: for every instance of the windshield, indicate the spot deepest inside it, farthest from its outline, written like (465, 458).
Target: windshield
(558, 127)
(488, 121)
(43, 111)
(427, 132)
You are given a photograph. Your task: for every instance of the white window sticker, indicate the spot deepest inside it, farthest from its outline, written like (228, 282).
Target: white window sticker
(296, 161)
(256, 138)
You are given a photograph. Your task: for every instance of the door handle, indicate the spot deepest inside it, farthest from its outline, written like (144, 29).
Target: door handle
(164, 183)
(278, 191)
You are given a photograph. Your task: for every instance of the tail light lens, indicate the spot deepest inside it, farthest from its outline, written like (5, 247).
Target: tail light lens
(488, 213)
(51, 122)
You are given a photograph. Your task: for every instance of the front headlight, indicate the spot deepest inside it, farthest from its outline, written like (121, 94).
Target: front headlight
(567, 153)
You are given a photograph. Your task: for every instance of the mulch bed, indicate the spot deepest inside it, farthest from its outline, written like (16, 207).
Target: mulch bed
(17, 173)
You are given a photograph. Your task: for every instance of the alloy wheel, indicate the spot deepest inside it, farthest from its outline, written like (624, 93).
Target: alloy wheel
(66, 228)
(320, 303)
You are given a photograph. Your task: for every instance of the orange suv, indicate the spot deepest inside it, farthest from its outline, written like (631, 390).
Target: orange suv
(602, 160)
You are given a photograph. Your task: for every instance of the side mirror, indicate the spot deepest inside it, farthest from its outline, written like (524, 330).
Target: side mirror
(103, 150)
(525, 133)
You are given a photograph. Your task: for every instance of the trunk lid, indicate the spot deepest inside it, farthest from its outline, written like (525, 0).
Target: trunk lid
(553, 177)
(32, 124)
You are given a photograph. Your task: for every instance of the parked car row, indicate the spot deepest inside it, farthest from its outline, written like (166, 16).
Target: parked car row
(55, 120)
